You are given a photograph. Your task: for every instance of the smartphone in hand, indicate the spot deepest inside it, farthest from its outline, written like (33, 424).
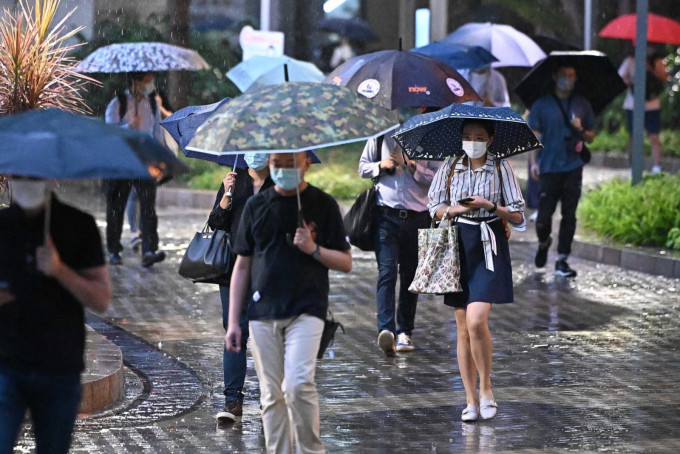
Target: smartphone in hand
(465, 200)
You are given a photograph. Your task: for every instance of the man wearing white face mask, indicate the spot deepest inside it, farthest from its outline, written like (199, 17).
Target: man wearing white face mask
(281, 274)
(563, 121)
(135, 109)
(237, 187)
(45, 283)
(402, 186)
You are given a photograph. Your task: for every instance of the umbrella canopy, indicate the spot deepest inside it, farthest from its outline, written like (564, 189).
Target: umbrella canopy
(141, 57)
(509, 45)
(291, 117)
(354, 29)
(58, 145)
(458, 56)
(438, 135)
(598, 79)
(182, 126)
(660, 29)
(259, 71)
(395, 79)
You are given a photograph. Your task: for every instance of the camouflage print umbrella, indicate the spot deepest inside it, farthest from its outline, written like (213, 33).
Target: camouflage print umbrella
(291, 117)
(141, 57)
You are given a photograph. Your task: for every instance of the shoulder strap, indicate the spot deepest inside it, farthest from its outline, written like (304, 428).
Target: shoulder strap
(565, 114)
(500, 179)
(448, 183)
(122, 104)
(152, 103)
(378, 146)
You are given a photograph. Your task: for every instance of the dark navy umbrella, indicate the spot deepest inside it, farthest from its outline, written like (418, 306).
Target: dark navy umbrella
(395, 79)
(598, 80)
(458, 56)
(182, 126)
(438, 135)
(58, 145)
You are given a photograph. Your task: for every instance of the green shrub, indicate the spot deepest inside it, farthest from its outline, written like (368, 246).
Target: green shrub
(643, 214)
(606, 141)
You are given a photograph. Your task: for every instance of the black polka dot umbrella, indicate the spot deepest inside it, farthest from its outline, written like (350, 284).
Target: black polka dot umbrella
(438, 135)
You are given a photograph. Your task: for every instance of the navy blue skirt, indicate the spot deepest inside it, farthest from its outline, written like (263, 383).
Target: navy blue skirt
(480, 284)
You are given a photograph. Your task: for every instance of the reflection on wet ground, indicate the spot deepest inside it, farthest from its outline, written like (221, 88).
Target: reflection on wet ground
(589, 364)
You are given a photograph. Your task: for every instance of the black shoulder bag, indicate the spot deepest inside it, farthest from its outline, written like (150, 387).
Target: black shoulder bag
(208, 258)
(585, 153)
(360, 219)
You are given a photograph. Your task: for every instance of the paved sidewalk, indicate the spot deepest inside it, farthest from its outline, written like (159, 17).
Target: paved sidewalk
(584, 365)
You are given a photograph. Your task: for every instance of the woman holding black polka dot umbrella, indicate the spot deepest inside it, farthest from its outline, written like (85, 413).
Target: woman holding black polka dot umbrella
(476, 189)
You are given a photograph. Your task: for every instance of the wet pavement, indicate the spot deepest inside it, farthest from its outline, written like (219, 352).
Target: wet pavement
(589, 364)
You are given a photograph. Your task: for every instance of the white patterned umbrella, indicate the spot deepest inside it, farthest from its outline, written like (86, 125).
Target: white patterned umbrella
(141, 57)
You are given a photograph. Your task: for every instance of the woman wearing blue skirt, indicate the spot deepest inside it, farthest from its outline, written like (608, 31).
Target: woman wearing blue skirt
(483, 193)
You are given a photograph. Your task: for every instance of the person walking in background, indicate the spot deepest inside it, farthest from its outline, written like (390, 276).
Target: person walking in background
(657, 74)
(402, 209)
(240, 185)
(487, 192)
(563, 120)
(134, 109)
(281, 274)
(46, 281)
(491, 87)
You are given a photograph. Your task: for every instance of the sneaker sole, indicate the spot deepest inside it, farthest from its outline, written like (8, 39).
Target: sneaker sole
(225, 416)
(405, 348)
(386, 342)
(564, 274)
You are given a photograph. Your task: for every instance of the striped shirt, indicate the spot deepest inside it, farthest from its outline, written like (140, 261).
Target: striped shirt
(483, 182)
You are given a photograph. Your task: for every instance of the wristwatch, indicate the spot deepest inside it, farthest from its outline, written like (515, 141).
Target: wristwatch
(493, 208)
(316, 255)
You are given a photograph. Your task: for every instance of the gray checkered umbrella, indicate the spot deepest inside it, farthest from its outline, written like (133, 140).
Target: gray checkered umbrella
(141, 57)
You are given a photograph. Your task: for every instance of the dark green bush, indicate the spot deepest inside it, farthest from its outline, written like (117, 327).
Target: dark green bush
(643, 214)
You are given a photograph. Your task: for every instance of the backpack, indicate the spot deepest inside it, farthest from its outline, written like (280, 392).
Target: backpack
(122, 103)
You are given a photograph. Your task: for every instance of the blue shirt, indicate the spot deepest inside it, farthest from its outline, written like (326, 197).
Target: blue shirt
(546, 118)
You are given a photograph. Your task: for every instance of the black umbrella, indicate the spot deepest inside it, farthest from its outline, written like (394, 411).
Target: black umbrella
(395, 79)
(598, 80)
(354, 29)
(437, 135)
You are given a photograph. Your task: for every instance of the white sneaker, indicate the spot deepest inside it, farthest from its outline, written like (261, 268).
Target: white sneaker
(386, 342)
(487, 408)
(404, 343)
(471, 413)
(533, 216)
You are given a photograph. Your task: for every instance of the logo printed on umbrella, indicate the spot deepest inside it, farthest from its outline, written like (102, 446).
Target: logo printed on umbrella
(369, 88)
(417, 89)
(337, 80)
(455, 87)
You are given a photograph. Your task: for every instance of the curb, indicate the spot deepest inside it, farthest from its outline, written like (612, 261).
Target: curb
(628, 258)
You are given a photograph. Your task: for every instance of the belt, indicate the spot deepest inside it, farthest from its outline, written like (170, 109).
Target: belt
(401, 213)
(488, 238)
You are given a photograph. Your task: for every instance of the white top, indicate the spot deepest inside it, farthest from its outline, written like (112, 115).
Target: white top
(491, 85)
(627, 73)
(150, 123)
(483, 182)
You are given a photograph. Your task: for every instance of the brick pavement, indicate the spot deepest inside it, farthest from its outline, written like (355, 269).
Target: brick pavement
(584, 365)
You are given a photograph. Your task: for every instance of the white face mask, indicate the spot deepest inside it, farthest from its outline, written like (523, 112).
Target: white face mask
(256, 161)
(474, 150)
(29, 194)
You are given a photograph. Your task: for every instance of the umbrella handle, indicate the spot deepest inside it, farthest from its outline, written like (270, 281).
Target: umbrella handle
(229, 193)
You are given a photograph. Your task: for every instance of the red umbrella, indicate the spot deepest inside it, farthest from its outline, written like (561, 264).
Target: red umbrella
(660, 29)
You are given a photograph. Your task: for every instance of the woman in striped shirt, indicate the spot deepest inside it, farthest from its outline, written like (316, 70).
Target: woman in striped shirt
(483, 192)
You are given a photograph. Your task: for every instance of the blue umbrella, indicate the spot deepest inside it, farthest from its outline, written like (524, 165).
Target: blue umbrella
(458, 56)
(260, 71)
(438, 135)
(58, 145)
(182, 126)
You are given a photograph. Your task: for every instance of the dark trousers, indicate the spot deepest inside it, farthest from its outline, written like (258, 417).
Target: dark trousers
(234, 364)
(563, 187)
(53, 401)
(117, 192)
(396, 250)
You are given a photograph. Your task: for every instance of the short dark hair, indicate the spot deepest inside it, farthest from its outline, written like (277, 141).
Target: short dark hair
(486, 124)
(654, 56)
(137, 76)
(560, 63)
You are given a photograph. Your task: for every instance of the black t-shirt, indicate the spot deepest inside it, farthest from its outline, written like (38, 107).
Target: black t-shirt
(285, 281)
(42, 330)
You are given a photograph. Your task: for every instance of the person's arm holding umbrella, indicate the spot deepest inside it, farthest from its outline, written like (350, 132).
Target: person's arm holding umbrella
(369, 164)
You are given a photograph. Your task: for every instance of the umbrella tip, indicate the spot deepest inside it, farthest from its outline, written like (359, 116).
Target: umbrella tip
(400, 48)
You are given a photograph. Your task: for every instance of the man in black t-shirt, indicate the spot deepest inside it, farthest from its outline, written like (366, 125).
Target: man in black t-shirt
(44, 284)
(281, 272)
